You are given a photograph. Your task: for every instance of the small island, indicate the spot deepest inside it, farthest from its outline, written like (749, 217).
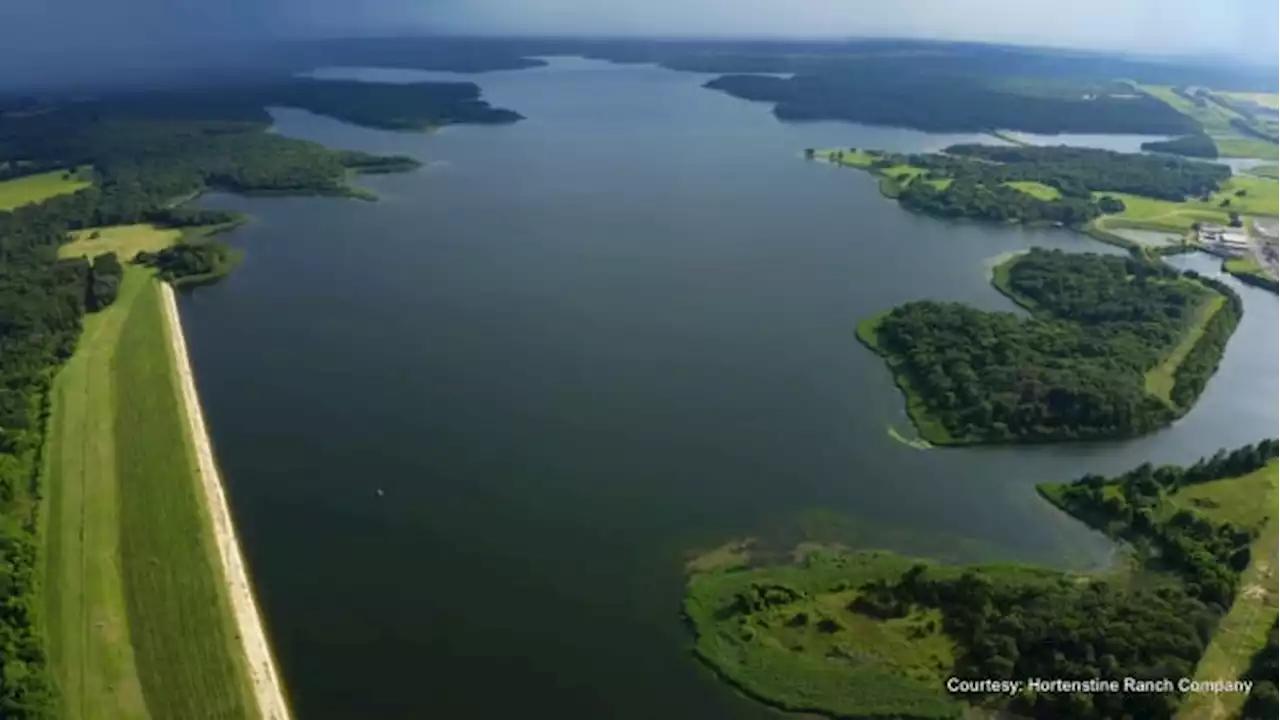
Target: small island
(1111, 347)
(873, 634)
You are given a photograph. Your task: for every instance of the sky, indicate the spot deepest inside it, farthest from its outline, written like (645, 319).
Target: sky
(1242, 29)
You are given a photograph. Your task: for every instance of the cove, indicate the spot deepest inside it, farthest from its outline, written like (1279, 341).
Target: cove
(571, 350)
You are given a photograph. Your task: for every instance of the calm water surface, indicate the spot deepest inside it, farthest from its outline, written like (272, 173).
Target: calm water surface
(570, 350)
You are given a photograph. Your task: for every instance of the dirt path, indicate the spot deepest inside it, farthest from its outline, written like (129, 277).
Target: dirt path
(262, 669)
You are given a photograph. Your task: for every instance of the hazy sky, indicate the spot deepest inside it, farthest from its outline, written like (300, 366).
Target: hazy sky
(1245, 29)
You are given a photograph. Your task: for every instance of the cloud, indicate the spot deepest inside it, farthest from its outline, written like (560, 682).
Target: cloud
(1238, 28)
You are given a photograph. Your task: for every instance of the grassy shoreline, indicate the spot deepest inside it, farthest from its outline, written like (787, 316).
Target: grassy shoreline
(929, 428)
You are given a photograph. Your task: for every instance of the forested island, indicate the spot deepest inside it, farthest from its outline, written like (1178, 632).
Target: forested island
(121, 165)
(1113, 347)
(873, 634)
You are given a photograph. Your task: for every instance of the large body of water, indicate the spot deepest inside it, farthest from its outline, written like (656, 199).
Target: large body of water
(471, 431)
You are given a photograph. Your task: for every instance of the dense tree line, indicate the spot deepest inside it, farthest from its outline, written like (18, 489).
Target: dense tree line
(185, 263)
(968, 198)
(1202, 361)
(1197, 145)
(1074, 370)
(1263, 702)
(105, 275)
(1068, 629)
(947, 101)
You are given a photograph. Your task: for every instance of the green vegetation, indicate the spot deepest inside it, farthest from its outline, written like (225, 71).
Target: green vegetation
(1238, 147)
(191, 263)
(1195, 145)
(42, 186)
(1212, 117)
(1263, 702)
(1248, 501)
(1265, 171)
(785, 636)
(126, 241)
(1248, 270)
(1037, 190)
(1114, 347)
(929, 428)
(875, 635)
(91, 655)
(1044, 185)
(188, 658)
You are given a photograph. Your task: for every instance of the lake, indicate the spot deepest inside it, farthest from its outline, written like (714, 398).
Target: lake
(472, 431)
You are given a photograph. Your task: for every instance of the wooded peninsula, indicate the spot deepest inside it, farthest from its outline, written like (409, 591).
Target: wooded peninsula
(1111, 347)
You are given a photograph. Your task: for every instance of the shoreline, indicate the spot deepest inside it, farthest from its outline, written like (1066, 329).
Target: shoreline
(267, 687)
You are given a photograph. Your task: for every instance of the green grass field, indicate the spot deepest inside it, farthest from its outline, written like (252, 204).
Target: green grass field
(35, 188)
(90, 652)
(1161, 379)
(1035, 189)
(1271, 100)
(1145, 212)
(1243, 147)
(189, 661)
(857, 666)
(1215, 118)
(1266, 171)
(1242, 266)
(137, 613)
(1262, 196)
(123, 240)
(847, 156)
(1251, 501)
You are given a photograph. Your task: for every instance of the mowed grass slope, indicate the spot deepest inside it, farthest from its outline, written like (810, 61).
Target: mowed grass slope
(90, 654)
(1249, 500)
(42, 186)
(123, 240)
(1035, 189)
(188, 657)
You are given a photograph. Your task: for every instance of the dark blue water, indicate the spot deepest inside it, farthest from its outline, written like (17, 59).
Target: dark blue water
(572, 350)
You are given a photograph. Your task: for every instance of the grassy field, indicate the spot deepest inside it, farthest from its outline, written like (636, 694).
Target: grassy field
(1244, 147)
(34, 188)
(804, 650)
(849, 156)
(90, 652)
(1215, 119)
(1145, 212)
(1160, 379)
(1035, 189)
(1242, 266)
(188, 657)
(1250, 501)
(1262, 196)
(123, 240)
(1266, 171)
(1271, 100)
(137, 613)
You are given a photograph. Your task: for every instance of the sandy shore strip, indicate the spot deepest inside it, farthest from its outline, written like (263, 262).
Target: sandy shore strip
(262, 667)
